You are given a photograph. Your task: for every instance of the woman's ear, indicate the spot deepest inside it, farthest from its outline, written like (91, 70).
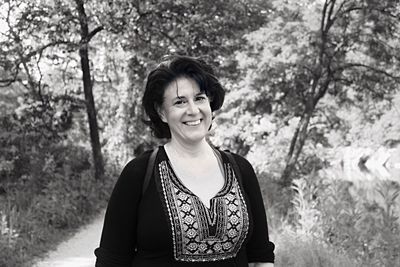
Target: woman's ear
(160, 112)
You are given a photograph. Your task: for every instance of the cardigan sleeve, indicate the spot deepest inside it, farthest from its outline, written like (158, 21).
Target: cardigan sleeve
(259, 248)
(118, 238)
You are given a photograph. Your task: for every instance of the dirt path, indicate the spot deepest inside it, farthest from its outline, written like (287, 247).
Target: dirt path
(77, 251)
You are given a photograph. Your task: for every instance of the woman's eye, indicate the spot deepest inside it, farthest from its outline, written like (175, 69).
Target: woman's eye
(179, 102)
(201, 98)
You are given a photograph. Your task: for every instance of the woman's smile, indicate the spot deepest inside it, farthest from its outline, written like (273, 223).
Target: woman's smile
(193, 123)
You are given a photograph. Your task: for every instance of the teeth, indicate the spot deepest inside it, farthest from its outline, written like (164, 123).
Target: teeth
(192, 123)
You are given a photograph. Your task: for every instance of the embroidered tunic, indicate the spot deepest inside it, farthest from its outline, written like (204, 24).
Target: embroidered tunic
(170, 226)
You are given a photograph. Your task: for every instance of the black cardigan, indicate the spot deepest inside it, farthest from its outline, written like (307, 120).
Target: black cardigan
(137, 229)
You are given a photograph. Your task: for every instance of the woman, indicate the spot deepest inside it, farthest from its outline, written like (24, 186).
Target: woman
(198, 209)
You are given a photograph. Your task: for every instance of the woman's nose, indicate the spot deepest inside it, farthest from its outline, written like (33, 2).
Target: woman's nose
(192, 108)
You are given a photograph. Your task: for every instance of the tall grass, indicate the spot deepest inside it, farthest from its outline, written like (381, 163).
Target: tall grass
(28, 230)
(340, 223)
(297, 249)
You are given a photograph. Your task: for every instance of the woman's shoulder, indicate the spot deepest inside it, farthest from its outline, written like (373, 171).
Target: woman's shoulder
(132, 171)
(138, 163)
(245, 168)
(240, 160)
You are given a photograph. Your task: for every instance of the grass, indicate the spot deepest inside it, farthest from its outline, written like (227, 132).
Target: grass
(338, 223)
(300, 250)
(67, 203)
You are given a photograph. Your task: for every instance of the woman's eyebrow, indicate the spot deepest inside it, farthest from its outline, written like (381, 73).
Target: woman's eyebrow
(178, 97)
(201, 93)
(184, 97)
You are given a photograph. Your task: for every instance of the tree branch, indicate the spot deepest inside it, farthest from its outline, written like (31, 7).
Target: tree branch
(329, 18)
(24, 58)
(171, 39)
(360, 65)
(77, 103)
(93, 33)
(322, 91)
(322, 27)
(9, 81)
(351, 9)
(41, 49)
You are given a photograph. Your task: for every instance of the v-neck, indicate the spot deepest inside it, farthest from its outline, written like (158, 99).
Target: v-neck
(179, 182)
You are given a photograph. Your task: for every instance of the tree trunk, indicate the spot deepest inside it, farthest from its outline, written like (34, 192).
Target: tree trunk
(297, 144)
(87, 87)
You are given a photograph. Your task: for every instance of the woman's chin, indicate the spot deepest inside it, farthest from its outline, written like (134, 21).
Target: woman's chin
(194, 137)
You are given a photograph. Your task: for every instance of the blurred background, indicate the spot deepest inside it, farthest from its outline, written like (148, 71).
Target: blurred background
(312, 101)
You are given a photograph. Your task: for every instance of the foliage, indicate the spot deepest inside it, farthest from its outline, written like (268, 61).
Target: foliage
(46, 182)
(147, 30)
(152, 29)
(372, 124)
(304, 53)
(135, 36)
(29, 29)
(354, 219)
(299, 250)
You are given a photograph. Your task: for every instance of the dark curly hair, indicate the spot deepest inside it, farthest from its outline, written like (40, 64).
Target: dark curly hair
(164, 74)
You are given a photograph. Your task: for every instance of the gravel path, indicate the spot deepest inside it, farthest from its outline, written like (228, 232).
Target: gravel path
(77, 251)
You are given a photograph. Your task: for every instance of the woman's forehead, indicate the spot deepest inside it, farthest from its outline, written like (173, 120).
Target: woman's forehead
(182, 86)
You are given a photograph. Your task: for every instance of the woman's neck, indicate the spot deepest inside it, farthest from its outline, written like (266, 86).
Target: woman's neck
(188, 150)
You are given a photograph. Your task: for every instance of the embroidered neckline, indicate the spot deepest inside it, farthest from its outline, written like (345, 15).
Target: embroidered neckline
(200, 233)
(175, 179)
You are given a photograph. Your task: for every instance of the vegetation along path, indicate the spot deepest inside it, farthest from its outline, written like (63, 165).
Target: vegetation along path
(78, 250)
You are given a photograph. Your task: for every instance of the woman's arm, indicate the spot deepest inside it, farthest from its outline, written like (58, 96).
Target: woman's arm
(259, 248)
(118, 239)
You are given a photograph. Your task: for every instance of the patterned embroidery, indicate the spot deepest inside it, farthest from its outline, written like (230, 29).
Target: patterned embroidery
(199, 233)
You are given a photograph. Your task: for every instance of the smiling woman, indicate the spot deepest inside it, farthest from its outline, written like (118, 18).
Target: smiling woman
(168, 75)
(186, 110)
(202, 205)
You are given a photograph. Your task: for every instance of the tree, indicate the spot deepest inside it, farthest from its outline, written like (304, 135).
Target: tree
(39, 35)
(22, 45)
(311, 49)
(86, 36)
(148, 30)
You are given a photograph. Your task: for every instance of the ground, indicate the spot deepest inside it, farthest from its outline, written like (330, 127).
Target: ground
(78, 250)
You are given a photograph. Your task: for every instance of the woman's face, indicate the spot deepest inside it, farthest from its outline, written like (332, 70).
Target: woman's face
(186, 110)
